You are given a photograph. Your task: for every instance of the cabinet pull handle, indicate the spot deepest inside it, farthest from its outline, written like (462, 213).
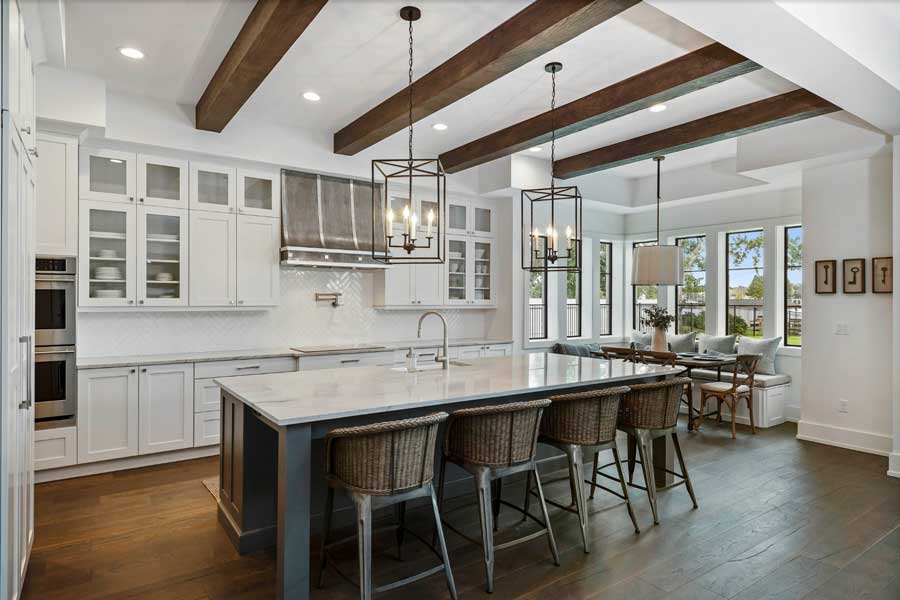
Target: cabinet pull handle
(247, 368)
(26, 403)
(240, 301)
(131, 302)
(349, 360)
(429, 354)
(140, 301)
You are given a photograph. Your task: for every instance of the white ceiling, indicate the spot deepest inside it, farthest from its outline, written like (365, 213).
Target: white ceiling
(354, 55)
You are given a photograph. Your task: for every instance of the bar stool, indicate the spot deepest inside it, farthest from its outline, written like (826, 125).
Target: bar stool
(384, 464)
(650, 411)
(740, 388)
(667, 359)
(492, 442)
(584, 421)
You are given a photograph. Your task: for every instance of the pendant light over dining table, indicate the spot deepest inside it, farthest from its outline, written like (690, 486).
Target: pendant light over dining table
(660, 264)
(544, 208)
(398, 238)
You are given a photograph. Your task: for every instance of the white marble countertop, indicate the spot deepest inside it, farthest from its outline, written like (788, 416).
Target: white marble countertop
(311, 350)
(309, 396)
(97, 362)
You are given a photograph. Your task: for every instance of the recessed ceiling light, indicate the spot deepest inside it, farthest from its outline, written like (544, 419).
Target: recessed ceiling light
(312, 96)
(131, 53)
(439, 127)
(658, 107)
(535, 149)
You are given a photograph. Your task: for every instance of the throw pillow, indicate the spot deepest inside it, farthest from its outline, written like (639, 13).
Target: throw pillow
(766, 347)
(681, 343)
(710, 343)
(642, 339)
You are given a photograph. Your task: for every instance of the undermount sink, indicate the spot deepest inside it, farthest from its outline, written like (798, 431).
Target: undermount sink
(431, 367)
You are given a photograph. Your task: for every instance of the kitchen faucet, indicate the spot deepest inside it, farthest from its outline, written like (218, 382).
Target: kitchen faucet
(445, 359)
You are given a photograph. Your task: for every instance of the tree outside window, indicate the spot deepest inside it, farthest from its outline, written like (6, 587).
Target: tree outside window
(745, 281)
(793, 285)
(690, 298)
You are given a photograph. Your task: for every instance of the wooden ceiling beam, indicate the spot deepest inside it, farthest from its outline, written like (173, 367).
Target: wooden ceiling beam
(702, 68)
(533, 31)
(268, 33)
(756, 116)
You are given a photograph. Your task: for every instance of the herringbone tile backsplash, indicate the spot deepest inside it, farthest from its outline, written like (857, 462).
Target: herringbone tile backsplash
(298, 320)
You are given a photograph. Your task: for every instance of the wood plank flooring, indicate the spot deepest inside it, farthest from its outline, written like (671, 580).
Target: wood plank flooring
(778, 519)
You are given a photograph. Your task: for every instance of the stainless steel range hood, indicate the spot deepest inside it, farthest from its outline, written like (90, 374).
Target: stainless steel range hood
(326, 222)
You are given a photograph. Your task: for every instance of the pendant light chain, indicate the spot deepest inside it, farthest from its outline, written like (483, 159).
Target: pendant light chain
(410, 92)
(658, 196)
(552, 128)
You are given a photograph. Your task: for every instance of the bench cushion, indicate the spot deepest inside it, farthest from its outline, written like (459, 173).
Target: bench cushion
(722, 386)
(575, 349)
(760, 381)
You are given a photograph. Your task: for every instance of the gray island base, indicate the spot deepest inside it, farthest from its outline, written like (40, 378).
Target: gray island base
(269, 422)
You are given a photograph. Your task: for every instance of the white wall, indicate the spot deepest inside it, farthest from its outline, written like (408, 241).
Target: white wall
(895, 456)
(847, 214)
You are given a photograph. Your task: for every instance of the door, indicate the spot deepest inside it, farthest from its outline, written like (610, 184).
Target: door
(212, 188)
(107, 413)
(57, 199)
(107, 260)
(427, 288)
(107, 175)
(26, 335)
(257, 260)
(458, 266)
(162, 256)
(166, 402)
(482, 266)
(213, 267)
(162, 181)
(258, 193)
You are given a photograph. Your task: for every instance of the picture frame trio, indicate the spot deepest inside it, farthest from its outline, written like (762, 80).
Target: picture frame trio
(853, 271)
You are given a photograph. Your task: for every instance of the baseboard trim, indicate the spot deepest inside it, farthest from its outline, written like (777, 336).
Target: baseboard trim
(894, 465)
(792, 413)
(121, 464)
(843, 437)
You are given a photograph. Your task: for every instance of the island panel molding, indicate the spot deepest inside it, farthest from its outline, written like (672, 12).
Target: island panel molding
(702, 68)
(538, 28)
(756, 116)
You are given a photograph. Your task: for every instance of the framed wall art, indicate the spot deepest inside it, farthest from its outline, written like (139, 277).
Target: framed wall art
(826, 276)
(854, 279)
(882, 275)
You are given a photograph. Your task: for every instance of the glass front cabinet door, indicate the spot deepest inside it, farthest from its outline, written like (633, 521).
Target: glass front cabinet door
(483, 261)
(107, 175)
(162, 256)
(162, 181)
(458, 270)
(258, 193)
(470, 218)
(213, 188)
(470, 263)
(106, 254)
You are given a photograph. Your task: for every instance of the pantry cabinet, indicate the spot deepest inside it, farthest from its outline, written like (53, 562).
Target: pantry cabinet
(57, 196)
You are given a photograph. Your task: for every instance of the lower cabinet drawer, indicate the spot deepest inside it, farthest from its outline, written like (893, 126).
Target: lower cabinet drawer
(55, 448)
(207, 396)
(206, 428)
(246, 366)
(339, 361)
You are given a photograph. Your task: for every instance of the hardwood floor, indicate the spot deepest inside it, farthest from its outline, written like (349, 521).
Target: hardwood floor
(778, 518)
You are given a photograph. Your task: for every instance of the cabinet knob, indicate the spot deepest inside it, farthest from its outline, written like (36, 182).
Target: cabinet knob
(231, 302)
(27, 130)
(131, 302)
(33, 152)
(140, 301)
(140, 199)
(240, 301)
(131, 198)
(144, 370)
(133, 371)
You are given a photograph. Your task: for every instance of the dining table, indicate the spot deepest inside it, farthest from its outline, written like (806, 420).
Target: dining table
(689, 361)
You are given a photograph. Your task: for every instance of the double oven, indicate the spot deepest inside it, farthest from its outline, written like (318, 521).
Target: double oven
(55, 376)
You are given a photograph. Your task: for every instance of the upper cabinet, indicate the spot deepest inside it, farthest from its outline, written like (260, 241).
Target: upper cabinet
(213, 187)
(106, 254)
(107, 175)
(258, 193)
(162, 256)
(162, 181)
(57, 196)
(20, 77)
(468, 217)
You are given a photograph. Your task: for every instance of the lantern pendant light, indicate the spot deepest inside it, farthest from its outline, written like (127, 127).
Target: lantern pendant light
(659, 264)
(398, 238)
(540, 233)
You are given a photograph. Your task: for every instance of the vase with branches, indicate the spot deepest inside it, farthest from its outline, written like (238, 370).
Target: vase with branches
(659, 319)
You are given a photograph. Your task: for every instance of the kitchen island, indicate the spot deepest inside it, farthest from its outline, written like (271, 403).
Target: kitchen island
(269, 423)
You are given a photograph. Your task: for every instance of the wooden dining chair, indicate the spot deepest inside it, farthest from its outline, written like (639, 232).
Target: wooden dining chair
(740, 388)
(626, 354)
(664, 358)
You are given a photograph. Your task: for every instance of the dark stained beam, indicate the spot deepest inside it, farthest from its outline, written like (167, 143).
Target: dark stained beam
(756, 116)
(536, 29)
(271, 29)
(705, 67)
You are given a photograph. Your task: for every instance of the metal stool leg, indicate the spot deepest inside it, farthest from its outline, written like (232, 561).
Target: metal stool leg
(615, 452)
(649, 478)
(451, 585)
(594, 472)
(326, 532)
(496, 493)
(527, 503)
(684, 471)
(364, 529)
(483, 489)
(576, 481)
(551, 540)
(440, 495)
(400, 515)
(632, 446)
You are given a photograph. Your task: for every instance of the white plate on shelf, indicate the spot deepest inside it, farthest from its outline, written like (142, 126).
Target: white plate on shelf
(109, 293)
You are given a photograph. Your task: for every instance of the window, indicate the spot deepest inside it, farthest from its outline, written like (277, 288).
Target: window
(604, 260)
(643, 296)
(690, 298)
(745, 282)
(573, 302)
(793, 285)
(537, 305)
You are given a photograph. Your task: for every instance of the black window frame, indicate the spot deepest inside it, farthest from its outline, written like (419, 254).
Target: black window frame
(579, 303)
(787, 269)
(607, 276)
(678, 241)
(635, 321)
(544, 304)
(728, 270)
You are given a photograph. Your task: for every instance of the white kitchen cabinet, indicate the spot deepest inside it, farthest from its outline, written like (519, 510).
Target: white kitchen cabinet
(213, 259)
(496, 350)
(166, 415)
(469, 271)
(54, 448)
(207, 394)
(258, 267)
(162, 256)
(107, 262)
(108, 413)
(162, 181)
(469, 352)
(258, 193)
(212, 187)
(57, 196)
(410, 286)
(427, 285)
(207, 429)
(107, 175)
(469, 217)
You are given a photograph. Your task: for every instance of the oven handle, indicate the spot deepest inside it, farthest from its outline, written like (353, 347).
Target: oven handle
(36, 352)
(26, 403)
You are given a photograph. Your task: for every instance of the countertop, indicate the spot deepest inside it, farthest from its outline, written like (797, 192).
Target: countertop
(96, 362)
(310, 350)
(321, 395)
